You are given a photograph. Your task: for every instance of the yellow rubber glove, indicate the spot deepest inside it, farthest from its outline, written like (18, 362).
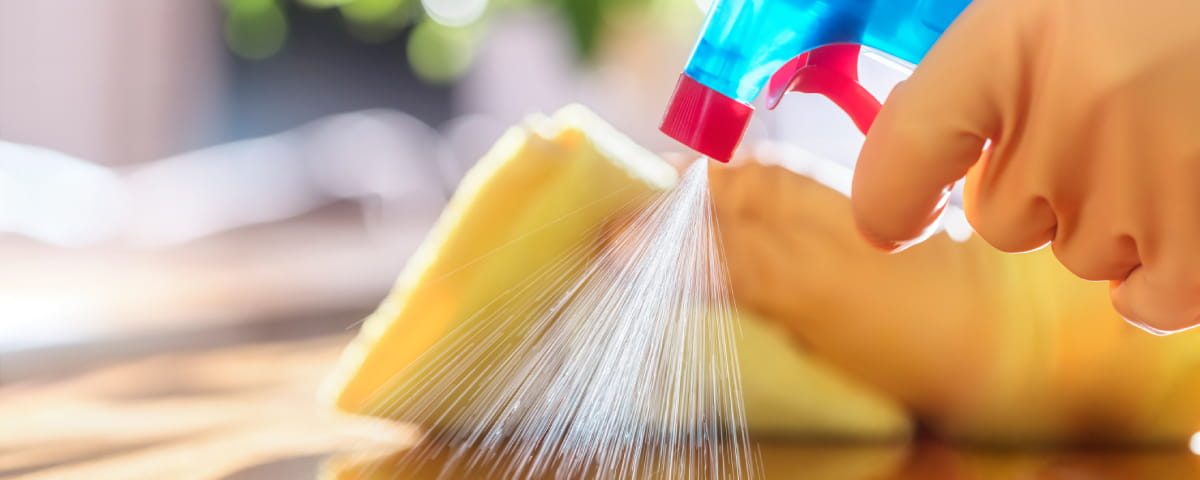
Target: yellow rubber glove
(1092, 109)
(976, 343)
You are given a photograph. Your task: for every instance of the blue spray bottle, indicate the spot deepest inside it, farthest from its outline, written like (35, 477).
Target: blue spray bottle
(792, 45)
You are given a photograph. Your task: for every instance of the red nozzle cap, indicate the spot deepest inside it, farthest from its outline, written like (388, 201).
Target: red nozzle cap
(705, 120)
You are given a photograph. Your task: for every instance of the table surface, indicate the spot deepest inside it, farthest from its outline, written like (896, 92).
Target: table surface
(248, 412)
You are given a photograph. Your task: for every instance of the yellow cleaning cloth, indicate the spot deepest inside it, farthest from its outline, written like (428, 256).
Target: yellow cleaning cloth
(546, 188)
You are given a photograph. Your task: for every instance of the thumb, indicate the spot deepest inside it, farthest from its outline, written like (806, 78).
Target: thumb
(930, 131)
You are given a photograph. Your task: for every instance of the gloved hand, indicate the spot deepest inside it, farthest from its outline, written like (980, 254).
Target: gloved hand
(1092, 109)
(974, 342)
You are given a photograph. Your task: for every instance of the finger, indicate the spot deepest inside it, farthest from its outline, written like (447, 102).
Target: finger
(932, 129)
(1158, 304)
(1004, 210)
(1091, 244)
(1096, 256)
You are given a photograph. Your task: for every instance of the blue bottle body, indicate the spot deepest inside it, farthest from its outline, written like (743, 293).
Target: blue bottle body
(744, 42)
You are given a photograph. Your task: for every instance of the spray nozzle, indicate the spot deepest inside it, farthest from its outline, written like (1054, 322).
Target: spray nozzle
(809, 46)
(705, 120)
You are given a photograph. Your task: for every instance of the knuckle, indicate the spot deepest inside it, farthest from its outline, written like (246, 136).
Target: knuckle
(1102, 259)
(1010, 234)
(1083, 266)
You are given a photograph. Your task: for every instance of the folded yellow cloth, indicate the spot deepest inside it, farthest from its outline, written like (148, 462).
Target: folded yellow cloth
(546, 187)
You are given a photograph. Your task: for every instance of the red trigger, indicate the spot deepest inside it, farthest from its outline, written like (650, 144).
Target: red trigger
(831, 71)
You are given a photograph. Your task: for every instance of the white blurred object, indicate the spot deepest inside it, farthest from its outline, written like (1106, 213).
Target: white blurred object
(398, 169)
(387, 161)
(379, 153)
(390, 162)
(43, 319)
(454, 13)
(215, 189)
(58, 199)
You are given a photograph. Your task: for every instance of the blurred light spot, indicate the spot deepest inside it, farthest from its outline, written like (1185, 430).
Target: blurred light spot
(703, 5)
(454, 13)
(255, 29)
(954, 221)
(1194, 443)
(439, 53)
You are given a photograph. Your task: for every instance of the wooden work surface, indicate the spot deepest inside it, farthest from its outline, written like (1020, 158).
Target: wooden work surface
(248, 412)
(203, 361)
(234, 412)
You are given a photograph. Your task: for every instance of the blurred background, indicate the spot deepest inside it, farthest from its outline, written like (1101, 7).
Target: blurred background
(183, 176)
(190, 166)
(171, 167)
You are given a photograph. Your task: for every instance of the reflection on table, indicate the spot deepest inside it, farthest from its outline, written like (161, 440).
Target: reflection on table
(783, 460)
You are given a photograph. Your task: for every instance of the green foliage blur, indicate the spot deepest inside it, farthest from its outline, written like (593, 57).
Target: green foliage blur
(444, 33)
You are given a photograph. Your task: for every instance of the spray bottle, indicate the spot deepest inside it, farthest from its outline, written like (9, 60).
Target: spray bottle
(810, 46)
